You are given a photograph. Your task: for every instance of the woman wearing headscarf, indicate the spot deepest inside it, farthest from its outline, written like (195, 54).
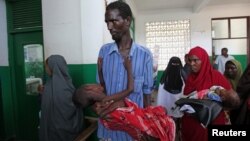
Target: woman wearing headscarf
(233, 72)
(203, 76)
(171, 86)
(241, 116)
(60, 120)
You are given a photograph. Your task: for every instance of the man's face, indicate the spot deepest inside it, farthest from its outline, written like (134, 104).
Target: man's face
(224, 52)
(117, 26)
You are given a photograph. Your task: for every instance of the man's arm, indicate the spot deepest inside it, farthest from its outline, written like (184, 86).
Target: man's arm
(130, 86)
(146, 100)
(110, 103)
(215, 63)
(100, 73)
(148, 81)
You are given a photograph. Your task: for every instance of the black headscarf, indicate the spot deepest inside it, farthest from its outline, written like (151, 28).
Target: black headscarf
(172, 76)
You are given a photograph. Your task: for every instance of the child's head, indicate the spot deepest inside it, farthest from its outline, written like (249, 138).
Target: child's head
(88, 94)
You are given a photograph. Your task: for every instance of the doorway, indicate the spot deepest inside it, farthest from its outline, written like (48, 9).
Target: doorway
(28, 74)
(25, 36)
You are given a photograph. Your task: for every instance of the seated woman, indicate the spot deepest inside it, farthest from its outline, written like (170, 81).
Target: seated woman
(203, 76)
(122, 114)
(233, 72)
(60, 120)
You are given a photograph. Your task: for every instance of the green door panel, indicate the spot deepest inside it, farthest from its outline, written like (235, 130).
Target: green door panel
(26, 106)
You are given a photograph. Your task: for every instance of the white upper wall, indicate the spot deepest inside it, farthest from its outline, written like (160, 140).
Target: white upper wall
(200, 22)
(62, 29)
(75, 29)
(3, 35)
(93, 29)
(131, 3)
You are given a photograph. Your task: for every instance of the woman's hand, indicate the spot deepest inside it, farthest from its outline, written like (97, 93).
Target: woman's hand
(40, 88)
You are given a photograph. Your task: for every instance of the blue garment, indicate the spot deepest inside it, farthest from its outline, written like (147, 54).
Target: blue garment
(214, 96)
(115, 77)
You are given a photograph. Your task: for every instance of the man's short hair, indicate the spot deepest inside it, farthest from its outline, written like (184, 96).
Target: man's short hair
(123, 8)
(224, 49)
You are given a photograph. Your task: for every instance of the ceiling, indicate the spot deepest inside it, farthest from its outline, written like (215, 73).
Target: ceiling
(194, 5)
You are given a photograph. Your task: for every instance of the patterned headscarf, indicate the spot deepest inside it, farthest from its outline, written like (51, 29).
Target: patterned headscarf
(234, 82)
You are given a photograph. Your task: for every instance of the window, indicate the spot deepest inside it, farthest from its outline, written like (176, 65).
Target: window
(231, 33)
(168, 39)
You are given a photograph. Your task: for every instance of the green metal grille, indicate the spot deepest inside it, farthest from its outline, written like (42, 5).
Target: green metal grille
(26, 14)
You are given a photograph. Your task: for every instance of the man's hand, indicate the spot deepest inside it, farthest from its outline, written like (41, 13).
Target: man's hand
(103, 109)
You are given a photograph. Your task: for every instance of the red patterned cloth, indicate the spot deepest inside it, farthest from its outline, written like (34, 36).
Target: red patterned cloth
(137, 122)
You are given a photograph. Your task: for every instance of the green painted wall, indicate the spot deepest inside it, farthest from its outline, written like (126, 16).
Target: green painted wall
(7, 118)
(242, 59)
(82, 74)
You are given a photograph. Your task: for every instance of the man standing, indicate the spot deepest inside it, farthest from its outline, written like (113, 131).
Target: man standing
(118, 18)
(221, 60)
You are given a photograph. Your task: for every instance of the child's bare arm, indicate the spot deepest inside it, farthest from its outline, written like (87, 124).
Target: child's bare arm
(88, 94)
